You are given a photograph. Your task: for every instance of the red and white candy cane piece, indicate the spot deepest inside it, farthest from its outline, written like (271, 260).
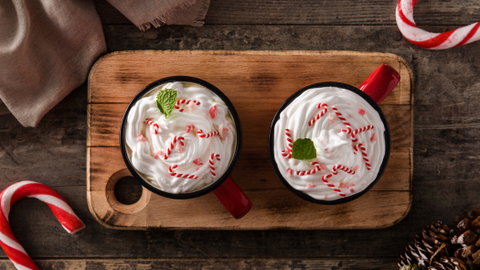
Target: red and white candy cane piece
(335, 172)
(210, 163)
(344, 121)
(64, 213)
(172, 145)
(323, 112)
(286, 154)
(428, 40)
(360, 130)
(172, 173)
(365, 156)
(184, 101)
(289, 140)
(208, 135)
(154, 125)
(312, 171)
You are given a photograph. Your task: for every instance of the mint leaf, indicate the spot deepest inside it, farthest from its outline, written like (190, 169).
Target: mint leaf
(303, 149)
(166, 100)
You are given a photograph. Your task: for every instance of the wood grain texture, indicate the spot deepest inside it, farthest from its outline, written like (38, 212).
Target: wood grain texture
(210, 263)
(117, 77)
(312, 12)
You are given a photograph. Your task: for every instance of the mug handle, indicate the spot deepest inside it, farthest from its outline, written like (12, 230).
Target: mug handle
(380, 83)
(233, 198)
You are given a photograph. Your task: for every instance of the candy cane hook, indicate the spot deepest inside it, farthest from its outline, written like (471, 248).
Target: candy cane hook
(428, 40)
(184, 101)
(172, 144)
(210, 162)
(335, 172)
(322, 113)
(64, 213)
(172, 173)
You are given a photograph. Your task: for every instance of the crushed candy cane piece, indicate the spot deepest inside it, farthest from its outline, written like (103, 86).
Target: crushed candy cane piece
(223, 132)
(322, 166)
(189, 128)
(310, 185)
(227, 123)
(289, 172)
(325, 197)
(213, 111)
(198, 162)
(352, 190)
(361, 111)
(158, 153)
(179, 148)
(343, 185)
(374, 137)
(356, 168)
(332, 117)
(191, 106)
(141, 138)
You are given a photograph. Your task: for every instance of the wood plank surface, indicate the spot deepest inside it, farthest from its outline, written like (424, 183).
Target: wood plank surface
(209, 263)
(117, 77)
(312, 12)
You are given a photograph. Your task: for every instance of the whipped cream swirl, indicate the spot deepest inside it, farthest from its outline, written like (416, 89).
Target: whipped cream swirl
(149, 136)
(360, 155)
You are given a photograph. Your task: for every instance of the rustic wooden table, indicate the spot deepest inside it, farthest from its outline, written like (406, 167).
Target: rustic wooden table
(446, 141)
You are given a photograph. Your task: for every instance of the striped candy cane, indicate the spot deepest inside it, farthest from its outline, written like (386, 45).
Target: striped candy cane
(208, 135)
(184, 101)
(289, 140)
(335, 172)
(319, 106)
(428, 40)
(172, 173)
(360, 130)
(210, 162)
(64, 213)
(154, 125)
(344, 121)
(312, 171)
(365, 156)
(286, 154)
(172, 144)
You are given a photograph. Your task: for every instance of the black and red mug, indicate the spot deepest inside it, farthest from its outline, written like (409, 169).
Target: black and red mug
(224, 188)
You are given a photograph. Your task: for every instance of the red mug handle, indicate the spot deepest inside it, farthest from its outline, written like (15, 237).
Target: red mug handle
(233, 198)
(380, 83)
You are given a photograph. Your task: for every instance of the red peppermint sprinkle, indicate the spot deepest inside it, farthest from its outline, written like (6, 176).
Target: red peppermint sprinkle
(141, 138)
(189, 128)
(374, 137)
(289, 172)
(223, 132)
(179, 148)
(213, 111)
(310, 185)
(158, 153)
(361, 111)
(198, 162)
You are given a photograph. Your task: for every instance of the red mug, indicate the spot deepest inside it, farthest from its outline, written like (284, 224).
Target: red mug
(373, 90)
(225, 189)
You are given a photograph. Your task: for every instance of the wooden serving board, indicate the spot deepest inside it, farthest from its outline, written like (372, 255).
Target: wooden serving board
(257, 83)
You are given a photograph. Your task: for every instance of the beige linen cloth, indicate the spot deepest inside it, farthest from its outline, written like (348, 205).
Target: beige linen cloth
(47, 47)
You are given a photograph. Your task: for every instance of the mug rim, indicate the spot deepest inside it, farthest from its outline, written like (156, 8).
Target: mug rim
(271, 138)
(236, 154)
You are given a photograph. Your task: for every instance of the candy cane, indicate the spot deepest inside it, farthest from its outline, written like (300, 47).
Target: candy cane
(428, 40)
(335, 172)
(183, 101)
(312, 171)
(289, 140)
(153, 124)
(365, 156)
(286, 154)
(172, 144)
(360, 130)
(320, 105)
(64, 213)
(208, 135)
(344, 121)
(211, 160)
(172, 173)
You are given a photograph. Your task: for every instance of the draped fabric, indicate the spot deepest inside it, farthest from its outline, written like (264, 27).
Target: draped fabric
(47, 47)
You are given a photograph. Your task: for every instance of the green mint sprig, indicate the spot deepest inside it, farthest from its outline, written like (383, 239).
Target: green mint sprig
(303, 149)
(166, 100)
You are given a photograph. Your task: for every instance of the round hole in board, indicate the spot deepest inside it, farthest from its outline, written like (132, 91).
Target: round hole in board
(127, 190)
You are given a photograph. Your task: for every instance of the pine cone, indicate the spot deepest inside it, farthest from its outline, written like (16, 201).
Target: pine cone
(425, 245)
